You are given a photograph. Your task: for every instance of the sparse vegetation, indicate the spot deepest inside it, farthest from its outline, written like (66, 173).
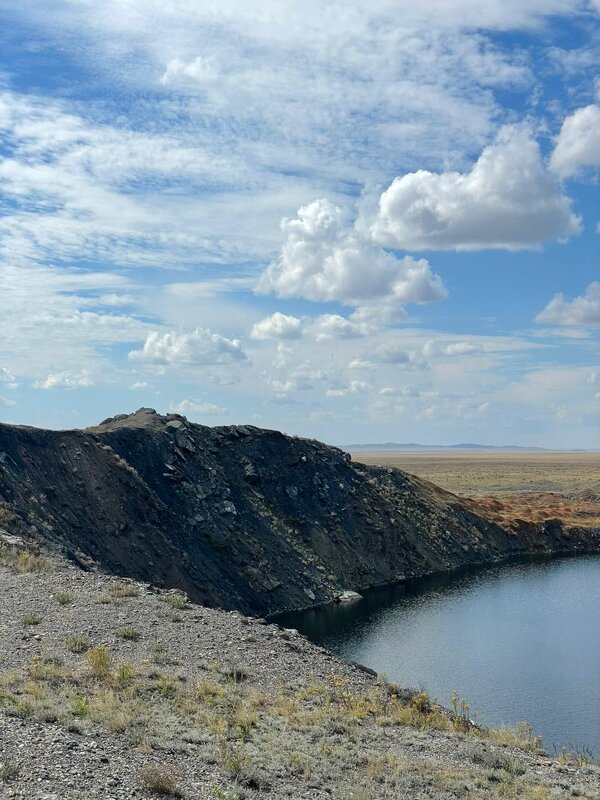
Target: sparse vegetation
(8, 770)
(31, 619)
(161, 781)
(23, 561)
(128, 632)
(99, 660)
(178, 600)
(158, 653)
(118, 590)
(315, 734)
(63, 598)
(77, 644)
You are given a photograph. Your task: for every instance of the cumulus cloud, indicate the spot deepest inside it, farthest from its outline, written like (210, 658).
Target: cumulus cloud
(323, 260)
(360, 363)
(302, 379)
(434, 348)
(578, 143)
(66, 380)
(277, 326)
(583, 310)
(199, 347)
(508, 200)
(403, 391)
(353, 387)
(396, 354)
(334, 326)
(197, 407)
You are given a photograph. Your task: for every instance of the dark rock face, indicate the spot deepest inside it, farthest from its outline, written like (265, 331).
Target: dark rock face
(241, 517)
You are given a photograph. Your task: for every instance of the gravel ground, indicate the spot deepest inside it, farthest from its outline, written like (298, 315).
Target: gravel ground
(259, 670)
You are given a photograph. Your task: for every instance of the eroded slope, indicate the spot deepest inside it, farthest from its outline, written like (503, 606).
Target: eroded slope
(238, 516)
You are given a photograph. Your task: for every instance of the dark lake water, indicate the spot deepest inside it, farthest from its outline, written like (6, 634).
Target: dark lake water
(519, 641)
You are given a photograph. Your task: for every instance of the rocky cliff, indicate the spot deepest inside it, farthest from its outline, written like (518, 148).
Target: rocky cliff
(241, 517)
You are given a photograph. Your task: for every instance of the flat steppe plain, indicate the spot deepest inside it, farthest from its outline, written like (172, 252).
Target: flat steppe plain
(533, 486)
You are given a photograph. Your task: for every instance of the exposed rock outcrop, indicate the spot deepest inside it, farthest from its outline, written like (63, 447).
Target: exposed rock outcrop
(241, 517)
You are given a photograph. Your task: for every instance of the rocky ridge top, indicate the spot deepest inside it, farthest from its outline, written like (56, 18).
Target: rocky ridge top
(241, 517)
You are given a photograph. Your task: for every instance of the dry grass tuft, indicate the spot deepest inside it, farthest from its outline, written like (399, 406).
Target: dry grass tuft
(31, 619)
(99, 660)
(128, 632)
(77, 644)
(23, 561)
(63, 598)
(162, 781)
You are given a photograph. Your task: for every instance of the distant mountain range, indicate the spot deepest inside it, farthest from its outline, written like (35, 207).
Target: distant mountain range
(412, 447)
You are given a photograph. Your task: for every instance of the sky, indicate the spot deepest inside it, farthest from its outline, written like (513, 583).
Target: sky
(357, 221)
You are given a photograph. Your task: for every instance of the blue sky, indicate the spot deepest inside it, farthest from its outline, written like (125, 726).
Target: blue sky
(360, 221)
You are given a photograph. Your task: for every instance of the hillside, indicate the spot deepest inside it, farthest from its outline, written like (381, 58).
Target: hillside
(240, 517)
(110, 690)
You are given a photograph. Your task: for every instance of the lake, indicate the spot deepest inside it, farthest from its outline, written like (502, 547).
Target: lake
(519, 641)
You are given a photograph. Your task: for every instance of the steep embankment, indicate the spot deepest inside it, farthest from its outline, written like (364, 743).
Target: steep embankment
(241, 517)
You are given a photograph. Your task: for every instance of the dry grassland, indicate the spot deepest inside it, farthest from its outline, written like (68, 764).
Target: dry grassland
(509, 486)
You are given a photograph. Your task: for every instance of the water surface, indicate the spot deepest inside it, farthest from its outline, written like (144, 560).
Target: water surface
(519, 641)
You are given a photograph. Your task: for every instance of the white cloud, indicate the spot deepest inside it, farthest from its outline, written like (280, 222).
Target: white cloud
(277, 326)
(46, 327)
(347, 85)
(578, 143)
(395, 353)
(322, 260)
(353, 387)
(583, 310)
(77, 187)
(66, 380)
(197, 408)
(199, 69)
(8, 379)
(200, 347)
(433, 348)
(403, 391)
(334, 326)
(508, 200)
(139, 385)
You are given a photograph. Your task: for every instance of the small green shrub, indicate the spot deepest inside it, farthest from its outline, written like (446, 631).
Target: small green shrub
(178, 601)
(124, 673)
(23, 560)
(8, 771)
(63, 598)
(121, 589)
(99, 660)
(128, 632)
(235, 674)
(158, 653)
(31, 619)
(80, 707)
(77, 644)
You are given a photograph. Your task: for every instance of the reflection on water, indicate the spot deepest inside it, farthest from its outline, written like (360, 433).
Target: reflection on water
(519, 641)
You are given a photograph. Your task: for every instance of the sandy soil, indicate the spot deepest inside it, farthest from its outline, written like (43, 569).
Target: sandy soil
(510, 486)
